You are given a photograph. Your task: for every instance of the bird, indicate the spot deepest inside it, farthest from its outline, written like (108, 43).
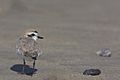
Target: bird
(28, 48)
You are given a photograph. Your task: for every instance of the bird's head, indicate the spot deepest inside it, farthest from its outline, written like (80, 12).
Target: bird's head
(33, 34)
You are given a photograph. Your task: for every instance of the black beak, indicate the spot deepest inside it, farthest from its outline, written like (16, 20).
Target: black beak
(39, 37)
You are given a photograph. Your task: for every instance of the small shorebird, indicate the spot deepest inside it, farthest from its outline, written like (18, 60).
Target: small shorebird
(28, 47)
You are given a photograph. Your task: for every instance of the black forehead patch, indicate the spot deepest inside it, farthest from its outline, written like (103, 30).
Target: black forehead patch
(35, 31)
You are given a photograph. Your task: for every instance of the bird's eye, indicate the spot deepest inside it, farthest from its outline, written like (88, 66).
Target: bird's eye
(32, 34)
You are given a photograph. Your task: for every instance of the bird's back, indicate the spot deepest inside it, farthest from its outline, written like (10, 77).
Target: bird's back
(28, 48)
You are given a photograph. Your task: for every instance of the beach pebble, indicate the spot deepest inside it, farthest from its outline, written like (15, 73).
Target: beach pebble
(105, 52)
(92, 72)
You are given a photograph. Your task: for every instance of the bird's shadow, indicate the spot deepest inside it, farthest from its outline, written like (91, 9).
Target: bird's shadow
(27, 69)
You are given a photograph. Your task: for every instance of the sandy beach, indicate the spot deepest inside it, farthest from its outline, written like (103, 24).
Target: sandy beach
(73, 31)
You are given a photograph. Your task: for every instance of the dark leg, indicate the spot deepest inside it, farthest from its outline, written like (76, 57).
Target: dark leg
(34, 64)
(23, 68)
(24, 63)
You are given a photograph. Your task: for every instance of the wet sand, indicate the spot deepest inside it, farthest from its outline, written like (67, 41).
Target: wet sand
(73, 29)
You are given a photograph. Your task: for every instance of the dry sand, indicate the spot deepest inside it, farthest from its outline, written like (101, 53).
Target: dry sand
(73, 29)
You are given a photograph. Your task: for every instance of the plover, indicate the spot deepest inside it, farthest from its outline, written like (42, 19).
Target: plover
(28, 47)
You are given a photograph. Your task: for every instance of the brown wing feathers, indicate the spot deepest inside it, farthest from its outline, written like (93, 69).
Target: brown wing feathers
(29, 47)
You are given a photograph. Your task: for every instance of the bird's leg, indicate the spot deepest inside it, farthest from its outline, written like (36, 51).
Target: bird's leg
(23, 69)
(34, 64)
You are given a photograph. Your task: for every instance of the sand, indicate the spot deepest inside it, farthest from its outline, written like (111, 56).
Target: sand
(73, 31)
